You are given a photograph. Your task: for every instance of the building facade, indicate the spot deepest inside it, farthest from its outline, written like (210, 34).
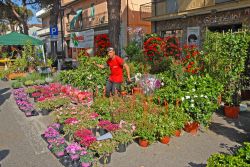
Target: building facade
(91, 17)
(190, 19)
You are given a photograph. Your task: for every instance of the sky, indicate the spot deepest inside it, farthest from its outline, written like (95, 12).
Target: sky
(34, 19)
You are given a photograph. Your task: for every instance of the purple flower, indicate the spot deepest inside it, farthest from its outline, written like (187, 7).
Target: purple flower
(56, 126)
(74, 148)
(51, 133)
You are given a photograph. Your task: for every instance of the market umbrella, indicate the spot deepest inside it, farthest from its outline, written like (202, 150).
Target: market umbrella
(15, 38)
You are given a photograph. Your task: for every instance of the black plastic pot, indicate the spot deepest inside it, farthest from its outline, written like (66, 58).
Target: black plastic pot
(93, 130)
(65, 160)
(102, 131)
(61, 129)
(105, 159)
(121, 148)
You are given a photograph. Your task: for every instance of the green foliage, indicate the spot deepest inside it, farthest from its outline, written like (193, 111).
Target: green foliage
(177, 116)
(88, 157)
(102, 106)
(239, 159)
(134, 52)
(16, 84)
(30, 90)
(32, 77)
(87, 75)
(146, 129)
(103, 147)
(40, 82)
(200, 98)
(225, 60)
(51, 104)
(122, 136)
(29, 83)
(170, 91)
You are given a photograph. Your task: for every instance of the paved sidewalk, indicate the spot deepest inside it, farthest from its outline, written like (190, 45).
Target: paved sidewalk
(22, 146)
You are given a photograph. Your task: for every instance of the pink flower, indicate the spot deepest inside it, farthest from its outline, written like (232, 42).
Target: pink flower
(94, 115)
(71, 121)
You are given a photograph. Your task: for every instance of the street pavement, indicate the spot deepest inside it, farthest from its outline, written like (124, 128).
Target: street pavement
(22, 146)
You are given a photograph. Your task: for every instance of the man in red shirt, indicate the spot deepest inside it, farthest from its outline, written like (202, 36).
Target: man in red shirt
(115, 64)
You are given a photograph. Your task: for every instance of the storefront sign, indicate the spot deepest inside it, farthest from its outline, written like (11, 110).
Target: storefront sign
(84, 39)
(221, 19)
(193, 36)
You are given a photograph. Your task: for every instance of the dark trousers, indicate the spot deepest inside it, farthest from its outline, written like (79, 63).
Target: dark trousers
(112, 87)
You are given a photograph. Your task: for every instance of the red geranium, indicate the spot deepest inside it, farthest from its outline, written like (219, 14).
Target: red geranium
(101, 44)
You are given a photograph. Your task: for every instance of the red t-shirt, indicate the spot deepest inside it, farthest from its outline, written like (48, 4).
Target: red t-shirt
(116, 68)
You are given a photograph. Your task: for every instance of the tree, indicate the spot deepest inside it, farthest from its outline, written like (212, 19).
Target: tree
(21, 14)
(114, 7)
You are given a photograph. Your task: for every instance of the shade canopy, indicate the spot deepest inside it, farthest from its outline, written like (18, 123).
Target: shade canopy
(15, 38)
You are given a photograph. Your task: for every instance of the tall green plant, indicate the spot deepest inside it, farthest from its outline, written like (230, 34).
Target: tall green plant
(225, 59)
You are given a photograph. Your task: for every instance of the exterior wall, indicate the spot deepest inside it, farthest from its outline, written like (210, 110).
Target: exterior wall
(239, 16)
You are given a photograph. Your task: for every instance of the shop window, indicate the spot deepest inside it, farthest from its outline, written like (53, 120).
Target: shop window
(225, 28)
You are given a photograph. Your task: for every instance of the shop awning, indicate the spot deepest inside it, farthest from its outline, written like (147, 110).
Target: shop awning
(73, 21)
(15, 38)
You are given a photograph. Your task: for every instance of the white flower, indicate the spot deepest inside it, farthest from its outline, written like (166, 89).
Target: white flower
(202, 95)
(193, 90)
(192, 100)
(187, 97)
(192, 105)
(182, 98)
(162, 84)
(195, 96)
(205, 97)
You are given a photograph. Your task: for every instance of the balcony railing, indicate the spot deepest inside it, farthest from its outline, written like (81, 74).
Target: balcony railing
(165, 7)
(89, 22)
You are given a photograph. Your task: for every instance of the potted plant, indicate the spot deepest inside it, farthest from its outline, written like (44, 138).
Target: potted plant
(85, 137)
(30, 90)
(16, 84)
(200, 99)
(40, 82)
(164, 128)
(29, 83)
(74, 150)
(104, 149)
(58, 147)
(86, 158)
(122, 137)
(146, 132)
(44, 106)
(178, 118)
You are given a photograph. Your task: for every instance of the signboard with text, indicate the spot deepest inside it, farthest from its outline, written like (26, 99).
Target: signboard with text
(84, 39)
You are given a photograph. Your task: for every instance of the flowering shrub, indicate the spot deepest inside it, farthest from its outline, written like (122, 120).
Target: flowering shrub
(85, 136)
(71, 121)
(101, 44)
(105, 124)
(154, 49)
(193, 60)
(172, 47)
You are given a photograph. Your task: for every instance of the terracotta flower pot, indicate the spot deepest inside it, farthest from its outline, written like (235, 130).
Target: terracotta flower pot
(231, 111)
(165, 140)
(177, 133)
(137, 90)
(191, 127)
(143, 143)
